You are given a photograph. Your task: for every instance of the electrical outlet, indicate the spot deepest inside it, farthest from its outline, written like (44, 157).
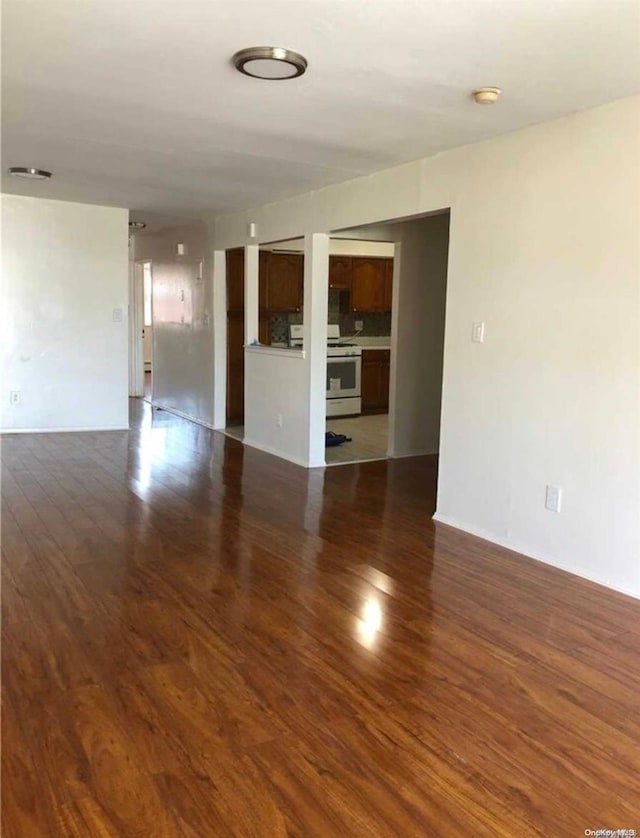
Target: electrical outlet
(205, 319)
(15, 397)
(279, 420)
(553, 498)
(116, 315)
(359, 325)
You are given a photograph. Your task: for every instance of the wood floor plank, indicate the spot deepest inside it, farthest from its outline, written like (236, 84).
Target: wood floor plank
(201, 640)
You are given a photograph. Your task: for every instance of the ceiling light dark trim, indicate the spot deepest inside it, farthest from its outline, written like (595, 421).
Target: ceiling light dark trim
(242, 61)
(29, 173)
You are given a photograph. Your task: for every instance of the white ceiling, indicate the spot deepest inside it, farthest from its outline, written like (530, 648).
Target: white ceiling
(136, 104)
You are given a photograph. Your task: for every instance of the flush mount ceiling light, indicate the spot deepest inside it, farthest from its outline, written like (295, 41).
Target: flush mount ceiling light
(137, 225)
(273, 63)
(28, 173)
(486, 95)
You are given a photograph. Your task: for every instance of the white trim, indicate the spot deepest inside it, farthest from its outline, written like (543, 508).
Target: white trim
(268, 450)
(182, 415)
(64, 430)
(523, 551)
(422, 452)
(219, 321)
(315, 317)
(251, 293)
(294, 354)
(352, 462)
(136, 324)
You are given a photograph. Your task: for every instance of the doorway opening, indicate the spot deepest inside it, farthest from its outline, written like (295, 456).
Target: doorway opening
(361, 262)
(141, 330)
(391, 305)
(147, 329)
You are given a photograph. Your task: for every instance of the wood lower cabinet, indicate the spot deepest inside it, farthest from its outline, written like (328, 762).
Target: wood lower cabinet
(235, 331)
(235, 368)
(371, 284)
(376, 364)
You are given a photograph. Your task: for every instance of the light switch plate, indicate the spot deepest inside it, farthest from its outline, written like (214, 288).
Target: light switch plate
(477, 334)
(553, 498)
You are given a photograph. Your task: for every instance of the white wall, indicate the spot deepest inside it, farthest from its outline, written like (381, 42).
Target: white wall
(183, 362)
(350, 247)
(420, 281)
(545, 248)
(148, 347)
(276, 385)
(65, 271)
(285, 396)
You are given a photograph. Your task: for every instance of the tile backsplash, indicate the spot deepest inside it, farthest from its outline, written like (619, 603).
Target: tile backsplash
(280, 326)
(375, 325)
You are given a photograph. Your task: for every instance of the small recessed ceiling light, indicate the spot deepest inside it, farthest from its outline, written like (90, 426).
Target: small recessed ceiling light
(487, 95)
(29, 173)
(137, 225)
(272, 63)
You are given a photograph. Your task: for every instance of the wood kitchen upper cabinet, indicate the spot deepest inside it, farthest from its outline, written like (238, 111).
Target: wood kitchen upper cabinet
(375, 380)
(284, 282)
(340, 268)
(388, 284)
(235, 280)
(368, 284)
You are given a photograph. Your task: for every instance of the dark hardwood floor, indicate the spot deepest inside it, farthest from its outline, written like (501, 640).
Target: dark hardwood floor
(202, 640)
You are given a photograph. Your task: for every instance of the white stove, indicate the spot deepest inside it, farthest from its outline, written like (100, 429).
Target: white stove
(337, 347)
(344, 368)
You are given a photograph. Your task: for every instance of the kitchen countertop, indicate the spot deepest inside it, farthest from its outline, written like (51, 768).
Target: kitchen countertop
(382, 342)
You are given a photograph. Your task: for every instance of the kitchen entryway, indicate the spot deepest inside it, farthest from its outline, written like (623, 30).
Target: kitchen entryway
(368, 434)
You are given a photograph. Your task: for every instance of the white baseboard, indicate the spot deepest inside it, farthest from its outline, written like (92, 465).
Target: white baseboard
(64, 430)
(525, 551)
(182, 415)
(352, 462)
(417, 453)
(275, 453)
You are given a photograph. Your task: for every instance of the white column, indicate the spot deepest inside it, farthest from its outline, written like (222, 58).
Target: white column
(219, 315)
(136, 325)
(251, 267)
(316, 312)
